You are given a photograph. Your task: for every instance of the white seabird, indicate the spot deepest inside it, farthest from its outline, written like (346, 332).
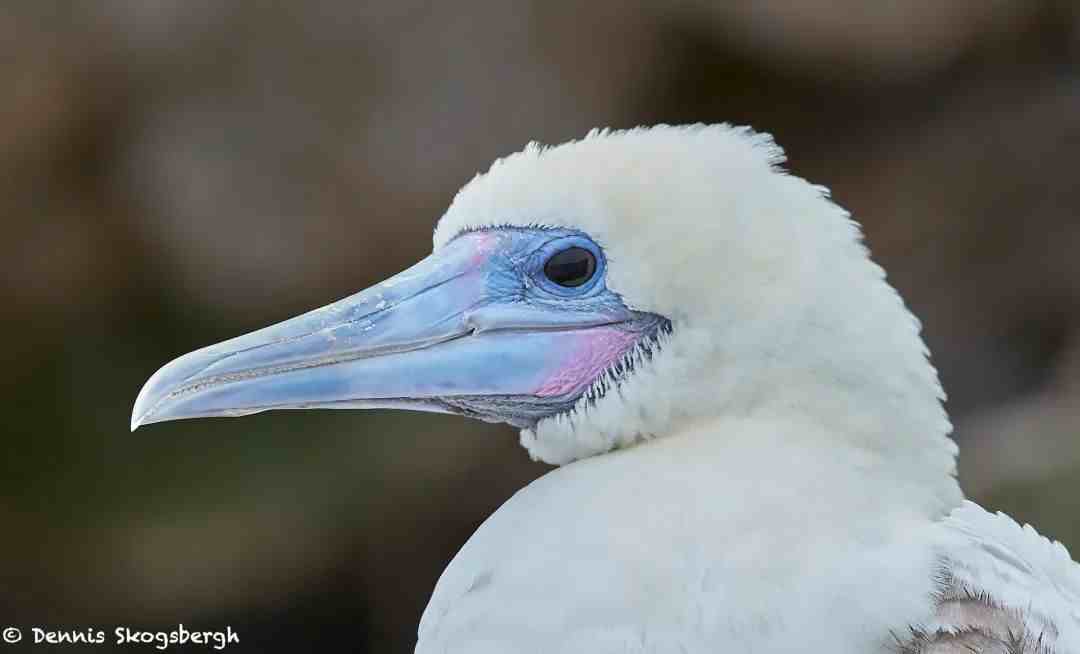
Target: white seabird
(754, 454)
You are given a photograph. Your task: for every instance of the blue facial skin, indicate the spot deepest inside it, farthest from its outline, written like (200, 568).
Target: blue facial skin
(475, 329)
(516, 281)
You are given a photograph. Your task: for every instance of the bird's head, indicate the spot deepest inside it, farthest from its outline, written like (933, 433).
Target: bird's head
(595, 294)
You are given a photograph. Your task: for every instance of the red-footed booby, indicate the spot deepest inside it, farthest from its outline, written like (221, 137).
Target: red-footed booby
(754, 453)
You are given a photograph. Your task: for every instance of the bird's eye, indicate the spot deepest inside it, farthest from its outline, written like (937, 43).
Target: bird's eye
(571, 267)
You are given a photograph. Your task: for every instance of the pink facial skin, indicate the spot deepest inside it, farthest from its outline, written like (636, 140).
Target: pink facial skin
(595, 350)
(486, 243)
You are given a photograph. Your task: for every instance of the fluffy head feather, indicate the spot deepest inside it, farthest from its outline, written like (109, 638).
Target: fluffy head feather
(774, 302)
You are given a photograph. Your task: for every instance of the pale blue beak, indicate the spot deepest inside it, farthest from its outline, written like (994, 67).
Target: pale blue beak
(451, 334)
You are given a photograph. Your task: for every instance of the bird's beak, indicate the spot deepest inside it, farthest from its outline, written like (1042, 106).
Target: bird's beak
(428, 333)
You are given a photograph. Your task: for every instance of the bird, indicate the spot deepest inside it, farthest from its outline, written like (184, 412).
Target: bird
(752, 451)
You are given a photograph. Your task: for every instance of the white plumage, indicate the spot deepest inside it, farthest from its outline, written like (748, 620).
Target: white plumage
(778, 477)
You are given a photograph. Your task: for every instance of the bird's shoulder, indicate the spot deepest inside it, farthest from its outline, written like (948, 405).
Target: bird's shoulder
(1001, 588)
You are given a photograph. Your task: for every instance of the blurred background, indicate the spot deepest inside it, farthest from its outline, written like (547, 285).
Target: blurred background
(175, 172)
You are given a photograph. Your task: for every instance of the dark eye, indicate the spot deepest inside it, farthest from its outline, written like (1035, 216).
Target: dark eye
(571, 267)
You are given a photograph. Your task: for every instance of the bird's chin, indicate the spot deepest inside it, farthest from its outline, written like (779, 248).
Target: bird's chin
(647, 332)
(522, 412)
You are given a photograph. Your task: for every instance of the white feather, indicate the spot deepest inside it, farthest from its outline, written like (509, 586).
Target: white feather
(778, 477)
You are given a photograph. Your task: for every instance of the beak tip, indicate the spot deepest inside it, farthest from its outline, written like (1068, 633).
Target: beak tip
(139, 413)
(150, 395)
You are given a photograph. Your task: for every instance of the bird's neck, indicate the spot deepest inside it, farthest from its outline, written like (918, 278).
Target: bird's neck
(784, 491)
(802, 458)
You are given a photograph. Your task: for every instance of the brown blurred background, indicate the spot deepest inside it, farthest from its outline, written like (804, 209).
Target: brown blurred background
(174, 172)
